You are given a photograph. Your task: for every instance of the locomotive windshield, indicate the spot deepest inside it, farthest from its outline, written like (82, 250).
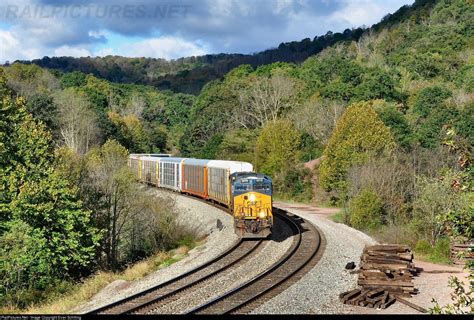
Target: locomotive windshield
(263, 185)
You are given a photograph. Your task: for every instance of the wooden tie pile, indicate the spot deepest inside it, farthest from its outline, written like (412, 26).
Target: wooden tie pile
(385, 275)
(461, 253)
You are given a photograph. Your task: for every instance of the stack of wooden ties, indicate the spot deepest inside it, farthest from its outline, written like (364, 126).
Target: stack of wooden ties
(385, 275)
(461, 253)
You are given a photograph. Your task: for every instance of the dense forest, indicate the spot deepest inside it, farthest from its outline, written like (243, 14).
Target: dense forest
(385, 115)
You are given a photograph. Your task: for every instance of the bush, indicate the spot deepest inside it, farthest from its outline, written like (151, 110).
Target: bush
(366, 210)
(442, 251)
(462, 299)
(439, 253)
(434, 199)
(392, 177)
(423, 247)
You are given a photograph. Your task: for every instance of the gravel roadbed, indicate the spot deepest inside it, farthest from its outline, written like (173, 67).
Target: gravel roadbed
(259, 262)
(206, 219)
(318, 290)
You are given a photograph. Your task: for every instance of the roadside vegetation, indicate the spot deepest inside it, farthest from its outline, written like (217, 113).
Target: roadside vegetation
(388, 116)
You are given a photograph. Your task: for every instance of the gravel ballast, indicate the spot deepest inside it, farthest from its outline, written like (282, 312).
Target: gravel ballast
(258, 263)
(206, 219)
(318, 290)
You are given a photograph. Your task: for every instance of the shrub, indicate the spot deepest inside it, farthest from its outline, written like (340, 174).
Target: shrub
(423, 246)
(462, 300)
(434, 199)
(439, 253)
(396, 233)
(366, 210)
(442, 251)
(392, 177)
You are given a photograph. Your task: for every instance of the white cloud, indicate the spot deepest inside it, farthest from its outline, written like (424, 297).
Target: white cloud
(105, 52)
(9, 43)
(166, 47)
(11, 48)
(71, 52)
(363, 12)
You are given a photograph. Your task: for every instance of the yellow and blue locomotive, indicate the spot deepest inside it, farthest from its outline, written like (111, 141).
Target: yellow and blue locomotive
(252, 204)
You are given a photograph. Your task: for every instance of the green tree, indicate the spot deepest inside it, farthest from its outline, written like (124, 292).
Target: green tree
(38, 203)
(238, 144)
(43, 108)
(358, 136)
(209, 116)
(430, 99)
(396, 121)
(210, 149)
(376, 84)
(73, 79)
(277, 147)
(130, 132)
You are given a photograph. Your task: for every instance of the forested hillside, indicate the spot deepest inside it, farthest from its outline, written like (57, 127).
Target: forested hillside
(190, 74)
(387, 112)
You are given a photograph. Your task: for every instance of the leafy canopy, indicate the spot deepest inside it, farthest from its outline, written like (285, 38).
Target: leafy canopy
(359, 135)
(277, 147)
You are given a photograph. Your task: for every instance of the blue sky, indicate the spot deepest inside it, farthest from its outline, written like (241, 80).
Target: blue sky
(170, 29)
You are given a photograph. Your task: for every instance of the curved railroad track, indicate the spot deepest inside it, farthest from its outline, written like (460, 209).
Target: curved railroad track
(149, 298)
(306, 249)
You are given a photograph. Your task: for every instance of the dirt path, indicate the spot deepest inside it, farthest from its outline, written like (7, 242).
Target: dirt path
(320, 212)
(432, 282)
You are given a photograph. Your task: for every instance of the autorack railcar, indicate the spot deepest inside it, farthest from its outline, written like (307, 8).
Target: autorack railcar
(233, 184)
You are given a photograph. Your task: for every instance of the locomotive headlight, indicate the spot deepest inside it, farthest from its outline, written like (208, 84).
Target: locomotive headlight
(262, 214)
(252, 198)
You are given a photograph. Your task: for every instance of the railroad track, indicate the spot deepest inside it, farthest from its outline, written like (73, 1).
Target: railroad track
(300, 258)
(150, 298)
(306, 249)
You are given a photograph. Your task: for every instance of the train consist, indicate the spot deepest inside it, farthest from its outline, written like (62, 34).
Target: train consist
(247, 195)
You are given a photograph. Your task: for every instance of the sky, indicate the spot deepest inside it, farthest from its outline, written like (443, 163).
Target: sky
(31, 29)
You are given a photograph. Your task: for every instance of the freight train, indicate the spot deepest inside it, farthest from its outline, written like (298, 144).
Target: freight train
(233, 184)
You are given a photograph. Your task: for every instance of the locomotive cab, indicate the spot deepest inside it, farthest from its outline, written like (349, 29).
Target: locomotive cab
(252, 204)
